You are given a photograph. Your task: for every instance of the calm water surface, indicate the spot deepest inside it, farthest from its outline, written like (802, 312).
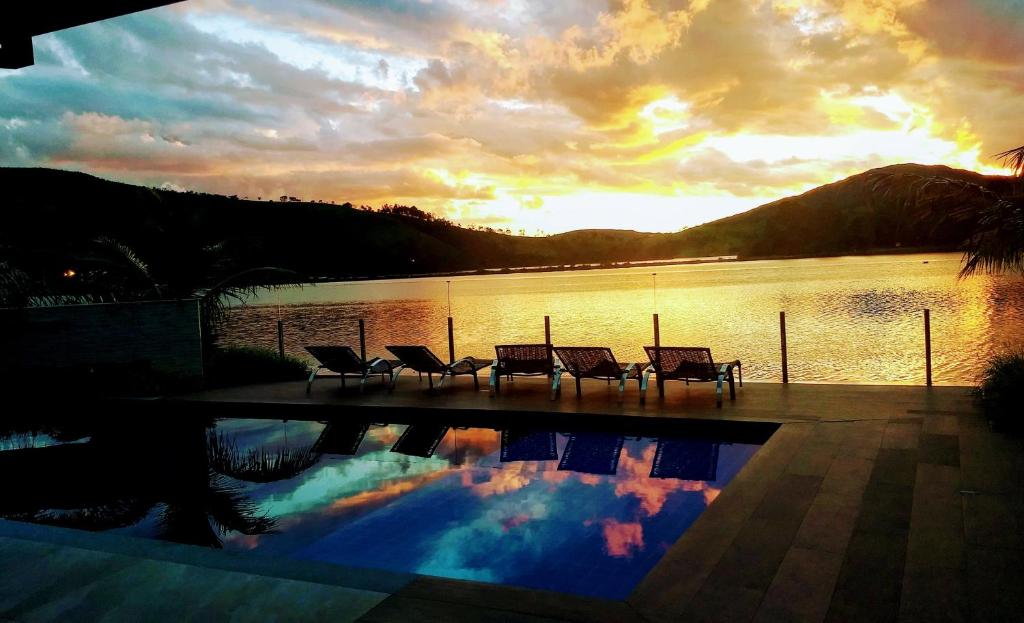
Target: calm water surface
(849, 319)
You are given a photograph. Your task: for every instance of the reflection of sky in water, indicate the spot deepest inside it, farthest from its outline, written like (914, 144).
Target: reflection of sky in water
(32, 439)
(464, 513)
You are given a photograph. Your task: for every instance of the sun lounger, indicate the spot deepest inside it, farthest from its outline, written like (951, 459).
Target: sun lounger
(686, 459)
(592, 453)
(422, 360)
(420, 440)
(341, 438)
(587, 362)
(344, 361)
(528, 445)
(689, 364)
(520, 360)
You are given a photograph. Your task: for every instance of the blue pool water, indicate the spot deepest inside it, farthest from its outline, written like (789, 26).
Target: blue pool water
(589, 513)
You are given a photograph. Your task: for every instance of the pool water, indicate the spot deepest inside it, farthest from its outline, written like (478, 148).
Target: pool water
(583, 512)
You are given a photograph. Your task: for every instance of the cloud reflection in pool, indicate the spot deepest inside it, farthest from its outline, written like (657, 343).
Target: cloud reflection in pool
(584, 513)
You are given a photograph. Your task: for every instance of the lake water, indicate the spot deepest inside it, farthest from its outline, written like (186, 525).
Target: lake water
(849, 319)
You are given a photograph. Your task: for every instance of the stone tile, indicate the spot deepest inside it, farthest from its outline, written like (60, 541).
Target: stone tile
(868, 587)
(990, 521)
(521, 600)
(754, 557)
(939, 449)
(994, 578)
(847, 478)
(404, 609)
(132, 589)
(934, 596)
(814, 459)
(33, 574)
(724, 604)
(789, 499)
(886, 508)
(938, 480)
(941, 424)
(991, 463)
(932, 549)
(827, 526)
(802, 589)
(895, 466)
(902, 434)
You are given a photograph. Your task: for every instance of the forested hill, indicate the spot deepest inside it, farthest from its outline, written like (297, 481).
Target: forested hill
(53, 213)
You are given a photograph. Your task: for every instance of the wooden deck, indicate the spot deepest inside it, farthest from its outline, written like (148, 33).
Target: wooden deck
(869, 503)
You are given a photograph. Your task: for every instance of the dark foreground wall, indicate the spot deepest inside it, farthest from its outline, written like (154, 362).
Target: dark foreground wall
(163, 336)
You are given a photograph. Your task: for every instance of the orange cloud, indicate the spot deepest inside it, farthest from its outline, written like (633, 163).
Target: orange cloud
(622, 539)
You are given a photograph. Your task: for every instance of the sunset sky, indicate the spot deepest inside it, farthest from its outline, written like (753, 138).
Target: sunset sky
(542, 116)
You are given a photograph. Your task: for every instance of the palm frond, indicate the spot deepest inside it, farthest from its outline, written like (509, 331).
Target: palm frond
(227, 505)
(931, 195)
(1013, 158)
(995, 223)
(129, 259)
(997, 244)
(257, 464)
(118, 514)
(188, 524)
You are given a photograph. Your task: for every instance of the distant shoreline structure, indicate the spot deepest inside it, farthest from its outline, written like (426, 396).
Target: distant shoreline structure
(688, 261)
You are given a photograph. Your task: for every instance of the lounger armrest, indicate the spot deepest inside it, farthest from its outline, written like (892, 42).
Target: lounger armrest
(628, 369)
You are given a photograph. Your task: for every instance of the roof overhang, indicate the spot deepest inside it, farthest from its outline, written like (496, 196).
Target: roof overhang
(22, 21)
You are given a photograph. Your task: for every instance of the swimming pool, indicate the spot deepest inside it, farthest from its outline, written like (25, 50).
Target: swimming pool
(588, 512)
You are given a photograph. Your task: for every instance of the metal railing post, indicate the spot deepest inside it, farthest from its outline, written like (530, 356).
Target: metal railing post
(362, 339)
(785, 354)
(451, 341)
(928, 347)
(280, 339)
(547, 334)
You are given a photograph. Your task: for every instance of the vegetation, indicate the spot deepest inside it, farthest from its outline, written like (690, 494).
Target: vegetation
(241, 365)
(152, 243)
(1001, 393)
(257, 464)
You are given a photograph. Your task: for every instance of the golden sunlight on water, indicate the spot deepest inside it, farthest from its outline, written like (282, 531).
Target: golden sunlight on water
(850, 319)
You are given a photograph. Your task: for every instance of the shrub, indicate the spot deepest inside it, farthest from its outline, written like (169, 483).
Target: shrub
(242, 365)
(1001, 392)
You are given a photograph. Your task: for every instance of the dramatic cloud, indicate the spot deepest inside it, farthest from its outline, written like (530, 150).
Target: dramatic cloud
(641, 114)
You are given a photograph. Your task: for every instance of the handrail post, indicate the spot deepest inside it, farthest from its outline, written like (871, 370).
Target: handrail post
(547, 334)
(362, 340)
(657, 354)
(785, 354)
(451, 341)
(928, 346)
(280, 339)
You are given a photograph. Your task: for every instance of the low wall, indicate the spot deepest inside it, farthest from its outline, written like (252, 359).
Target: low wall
(163, 335)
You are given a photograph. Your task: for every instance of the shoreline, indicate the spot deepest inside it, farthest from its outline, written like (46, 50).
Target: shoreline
(481, 272)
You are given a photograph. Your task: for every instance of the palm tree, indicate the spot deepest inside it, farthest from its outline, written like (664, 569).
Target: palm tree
(993, 215)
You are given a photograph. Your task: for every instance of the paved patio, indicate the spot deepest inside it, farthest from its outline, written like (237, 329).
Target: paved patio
(869, 503)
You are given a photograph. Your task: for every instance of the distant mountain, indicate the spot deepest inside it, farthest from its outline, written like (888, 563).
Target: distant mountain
(55, 214)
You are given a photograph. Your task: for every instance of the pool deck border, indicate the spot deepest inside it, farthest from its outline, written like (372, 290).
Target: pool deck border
(867, 503)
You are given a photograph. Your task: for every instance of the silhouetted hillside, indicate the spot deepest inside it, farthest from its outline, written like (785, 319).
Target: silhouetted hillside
(51, 214)
(847, 217)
